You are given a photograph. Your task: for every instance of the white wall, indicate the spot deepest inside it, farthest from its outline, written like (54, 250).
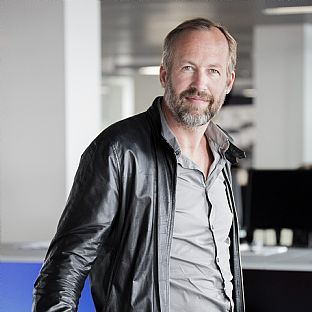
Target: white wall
(283, 103)
(45, 101)
(32, 119)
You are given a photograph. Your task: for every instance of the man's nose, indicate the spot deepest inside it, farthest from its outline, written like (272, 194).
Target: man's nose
(200, 80)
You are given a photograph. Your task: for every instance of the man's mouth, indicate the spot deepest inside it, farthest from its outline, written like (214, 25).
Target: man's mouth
(198, 99)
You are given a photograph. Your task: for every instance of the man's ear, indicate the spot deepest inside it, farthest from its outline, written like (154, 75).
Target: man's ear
(162, 76)
(230, 82)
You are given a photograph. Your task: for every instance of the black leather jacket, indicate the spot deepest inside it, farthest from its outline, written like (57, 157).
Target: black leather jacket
(117, 224)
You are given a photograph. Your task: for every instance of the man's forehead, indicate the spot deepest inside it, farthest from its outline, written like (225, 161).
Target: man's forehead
(212, 32)
(195, 41)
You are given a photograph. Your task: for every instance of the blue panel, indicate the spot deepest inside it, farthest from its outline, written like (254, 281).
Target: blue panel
(16, 285)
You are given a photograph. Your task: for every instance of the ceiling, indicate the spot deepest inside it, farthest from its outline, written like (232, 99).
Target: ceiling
(133, 30)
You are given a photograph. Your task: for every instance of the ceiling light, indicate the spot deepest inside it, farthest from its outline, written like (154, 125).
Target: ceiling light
(149, 70)
(288, 10)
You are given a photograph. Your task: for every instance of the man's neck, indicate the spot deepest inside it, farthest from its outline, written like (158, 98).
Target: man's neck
(192, 141)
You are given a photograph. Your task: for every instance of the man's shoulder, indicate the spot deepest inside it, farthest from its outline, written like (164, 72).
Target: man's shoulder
(129, 128)
(124, 134)
(133, 132)
(132, 128)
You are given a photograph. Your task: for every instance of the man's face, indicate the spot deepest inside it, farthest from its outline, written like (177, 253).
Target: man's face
(197, 83)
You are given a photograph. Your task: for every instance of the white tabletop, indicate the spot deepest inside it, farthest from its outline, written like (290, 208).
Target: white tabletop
(27, 252)
(278, 259)
(267, 258)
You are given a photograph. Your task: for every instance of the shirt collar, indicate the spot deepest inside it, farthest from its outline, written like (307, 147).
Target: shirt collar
(166, 131)
(213, 133)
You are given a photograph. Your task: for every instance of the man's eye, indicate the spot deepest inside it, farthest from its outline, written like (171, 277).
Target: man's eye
(187, 68)
(214, 71)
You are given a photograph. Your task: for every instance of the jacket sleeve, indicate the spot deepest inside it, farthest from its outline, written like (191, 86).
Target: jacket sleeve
(82, 229)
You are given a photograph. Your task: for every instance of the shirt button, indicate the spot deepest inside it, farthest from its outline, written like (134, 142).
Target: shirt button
(218, 260)
(212, 227)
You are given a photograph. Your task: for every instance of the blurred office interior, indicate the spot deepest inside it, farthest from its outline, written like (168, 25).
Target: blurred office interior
(70, 68)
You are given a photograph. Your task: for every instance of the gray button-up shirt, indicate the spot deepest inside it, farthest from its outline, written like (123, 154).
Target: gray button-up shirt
(200, 275)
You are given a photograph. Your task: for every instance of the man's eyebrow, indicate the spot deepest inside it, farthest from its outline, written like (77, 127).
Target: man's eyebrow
(218, 65)
(185, 61)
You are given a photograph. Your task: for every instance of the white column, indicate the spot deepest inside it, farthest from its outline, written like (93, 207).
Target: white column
(82, 79)
(49, 103)
(283, 63)
(307, 97)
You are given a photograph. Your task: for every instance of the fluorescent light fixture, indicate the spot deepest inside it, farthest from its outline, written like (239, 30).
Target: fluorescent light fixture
(149, 70)
(288, 10)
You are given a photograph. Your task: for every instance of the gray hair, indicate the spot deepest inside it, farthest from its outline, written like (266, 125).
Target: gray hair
(197, 24)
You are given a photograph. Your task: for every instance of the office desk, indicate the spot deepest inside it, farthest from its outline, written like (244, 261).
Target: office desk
(280, 282)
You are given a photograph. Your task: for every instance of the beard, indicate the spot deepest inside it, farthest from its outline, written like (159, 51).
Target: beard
(188, 114)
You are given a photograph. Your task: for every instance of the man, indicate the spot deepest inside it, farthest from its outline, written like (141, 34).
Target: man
(151, 216)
